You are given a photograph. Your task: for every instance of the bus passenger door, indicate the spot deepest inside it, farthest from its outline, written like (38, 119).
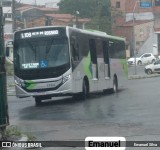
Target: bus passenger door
(75, 58)
(94, 67)
(100, 64)
(92, 46)
(106, 60)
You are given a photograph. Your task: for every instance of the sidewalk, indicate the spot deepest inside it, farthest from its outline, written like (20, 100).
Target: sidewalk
(10, 86)
(139, 73)
(132, 77)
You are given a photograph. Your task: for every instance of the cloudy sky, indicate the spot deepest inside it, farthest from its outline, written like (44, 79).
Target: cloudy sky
(39, 2)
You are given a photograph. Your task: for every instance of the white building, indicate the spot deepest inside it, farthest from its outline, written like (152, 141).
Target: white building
(7, 12)
(52, 4)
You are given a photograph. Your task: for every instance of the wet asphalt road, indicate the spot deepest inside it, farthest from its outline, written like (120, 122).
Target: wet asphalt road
(134, 112)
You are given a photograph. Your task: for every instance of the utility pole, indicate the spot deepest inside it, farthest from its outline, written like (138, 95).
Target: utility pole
(13, 16)
(35, 2)
(134, 39)
(4, 117)
(1, 4)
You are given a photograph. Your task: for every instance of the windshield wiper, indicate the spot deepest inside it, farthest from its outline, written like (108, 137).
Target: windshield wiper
(48, 47)
(32, 47)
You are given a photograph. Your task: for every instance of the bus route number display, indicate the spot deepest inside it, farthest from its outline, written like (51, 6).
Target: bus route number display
(39, 34)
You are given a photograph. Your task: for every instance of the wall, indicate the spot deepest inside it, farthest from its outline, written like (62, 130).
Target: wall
(148, 45)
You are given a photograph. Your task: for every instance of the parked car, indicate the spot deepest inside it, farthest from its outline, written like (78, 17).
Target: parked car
(146, 58)
(153, 68)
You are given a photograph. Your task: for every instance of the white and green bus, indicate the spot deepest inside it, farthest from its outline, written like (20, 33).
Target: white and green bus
(66, 61)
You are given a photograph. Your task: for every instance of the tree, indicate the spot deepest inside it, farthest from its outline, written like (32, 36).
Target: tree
(98, 10)
(86, 7)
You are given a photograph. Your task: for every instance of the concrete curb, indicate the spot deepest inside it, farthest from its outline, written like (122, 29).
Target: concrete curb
(23, 138)
(11, 94)
(142, 76)
(11, 85)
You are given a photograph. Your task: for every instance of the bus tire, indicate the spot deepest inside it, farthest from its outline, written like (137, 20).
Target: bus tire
(38, 101)
(115, 84)
(85, 90)
(75, 97)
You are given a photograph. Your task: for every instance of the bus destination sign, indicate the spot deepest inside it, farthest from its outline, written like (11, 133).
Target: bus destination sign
(39, 34)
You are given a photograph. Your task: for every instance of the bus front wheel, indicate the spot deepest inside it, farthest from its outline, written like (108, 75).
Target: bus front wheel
(85, 90)
(38, 101)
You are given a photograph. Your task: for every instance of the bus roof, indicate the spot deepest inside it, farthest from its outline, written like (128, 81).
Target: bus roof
(85, 31)
(116, 38)
(100, 33)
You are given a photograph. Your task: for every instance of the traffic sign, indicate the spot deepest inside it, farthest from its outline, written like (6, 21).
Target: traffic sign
(146, 4)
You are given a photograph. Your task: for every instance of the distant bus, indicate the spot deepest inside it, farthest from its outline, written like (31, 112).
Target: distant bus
(66, 61)
(9, 51)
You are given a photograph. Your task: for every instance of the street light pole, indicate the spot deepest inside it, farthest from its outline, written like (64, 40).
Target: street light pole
(134, 39)
(13, 16)
(77, 24)
(1, 4)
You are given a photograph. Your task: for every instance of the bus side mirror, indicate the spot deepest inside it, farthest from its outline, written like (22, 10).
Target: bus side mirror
(7, 52)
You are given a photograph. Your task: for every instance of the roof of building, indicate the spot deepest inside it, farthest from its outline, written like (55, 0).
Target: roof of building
(82, 20)
(61, 16)
(47, 9)
(157, 30)
(136, 22)
(28, 7)
(68, 18)
(24, 8)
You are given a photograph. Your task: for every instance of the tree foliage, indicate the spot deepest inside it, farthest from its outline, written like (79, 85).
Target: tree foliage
(98, 10)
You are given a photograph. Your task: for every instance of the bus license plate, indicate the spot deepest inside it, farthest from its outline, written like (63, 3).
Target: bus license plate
(51, 85)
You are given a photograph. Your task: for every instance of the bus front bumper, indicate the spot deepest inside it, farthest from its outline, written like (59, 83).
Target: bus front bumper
(63, 90)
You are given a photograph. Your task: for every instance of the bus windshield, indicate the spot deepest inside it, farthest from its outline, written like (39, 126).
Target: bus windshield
(42, 53)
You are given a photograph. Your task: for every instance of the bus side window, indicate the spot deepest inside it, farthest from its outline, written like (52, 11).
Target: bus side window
(106, 58)
(106, 52)
(111, 48)
(117, 49)
(99, 48)
(74, 49)
(92, 47)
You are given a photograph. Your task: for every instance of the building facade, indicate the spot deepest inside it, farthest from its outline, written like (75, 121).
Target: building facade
(7, 13)
(135, 16)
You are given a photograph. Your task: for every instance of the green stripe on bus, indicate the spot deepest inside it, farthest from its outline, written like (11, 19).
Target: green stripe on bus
(30, 84)
(88, 66)
(125, 66)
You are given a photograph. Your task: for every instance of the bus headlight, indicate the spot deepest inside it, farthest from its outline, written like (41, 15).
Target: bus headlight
(19, 82)
(66, 78)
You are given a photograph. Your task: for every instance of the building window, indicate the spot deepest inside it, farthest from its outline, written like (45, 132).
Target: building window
(118, 4)
(157, 2)
(5, 15)
(9, 15)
